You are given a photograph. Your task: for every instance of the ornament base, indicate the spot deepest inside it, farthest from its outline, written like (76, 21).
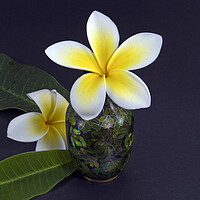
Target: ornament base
(100, 181)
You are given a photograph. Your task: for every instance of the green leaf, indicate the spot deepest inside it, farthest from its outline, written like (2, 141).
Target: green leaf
(95, 126)
(107, 111)
(123, 130)
(67, 116)
(96, 164)
(116, 126)
(87, 128)
(71, 129)
(77, 132)
(128, 141)
(72, 120)
(72, 140)
(111, 121)
(98, 170)
(84, 167)
(78, 143)
(27, 175)
(16, 80)
(102, 118)
(82, 141)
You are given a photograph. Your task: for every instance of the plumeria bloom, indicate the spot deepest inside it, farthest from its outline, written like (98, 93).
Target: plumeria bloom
(109, 65)
(48, 128)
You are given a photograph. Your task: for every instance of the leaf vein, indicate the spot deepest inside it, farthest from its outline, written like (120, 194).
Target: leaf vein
(33, 173)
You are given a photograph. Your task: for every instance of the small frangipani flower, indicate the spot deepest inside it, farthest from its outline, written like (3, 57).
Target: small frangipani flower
(48, 128)
(109, 65)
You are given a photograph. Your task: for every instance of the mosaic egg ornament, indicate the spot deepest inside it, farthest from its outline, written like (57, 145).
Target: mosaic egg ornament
(101, 145)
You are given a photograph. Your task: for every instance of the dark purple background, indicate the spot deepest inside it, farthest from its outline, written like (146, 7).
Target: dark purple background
(165, 163)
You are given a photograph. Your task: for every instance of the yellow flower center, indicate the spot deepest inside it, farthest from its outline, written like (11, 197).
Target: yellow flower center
(103, 73)
(48, 122)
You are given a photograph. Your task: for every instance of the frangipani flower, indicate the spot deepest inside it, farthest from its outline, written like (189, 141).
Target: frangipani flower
(48, 128)
(109, 65)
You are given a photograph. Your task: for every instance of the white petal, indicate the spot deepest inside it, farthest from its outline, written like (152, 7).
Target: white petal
(73, 55)
(127, 90)
(52, 140)
(43, 98)
(60, 108)
(28, 127)
(136, 52)
(103, 37)
(61, 128)
(88, 95)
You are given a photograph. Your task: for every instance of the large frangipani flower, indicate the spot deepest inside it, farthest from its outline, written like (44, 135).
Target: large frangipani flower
(48, 128)
(109, 66)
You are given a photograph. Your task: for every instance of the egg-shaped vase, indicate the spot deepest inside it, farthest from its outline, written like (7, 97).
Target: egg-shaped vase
(102, 145)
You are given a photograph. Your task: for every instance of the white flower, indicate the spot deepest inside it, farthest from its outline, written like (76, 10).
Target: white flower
(109, 65)
(48, 128)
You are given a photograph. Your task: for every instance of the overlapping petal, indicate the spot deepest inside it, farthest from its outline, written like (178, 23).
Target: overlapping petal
(60, 108)
(48, 127)
(61, 128)
(52, 140)
(28, 127)
(136, 52)
(73, 55)
(103, 37)
(127, 90)
(88, 95)
(43, 98)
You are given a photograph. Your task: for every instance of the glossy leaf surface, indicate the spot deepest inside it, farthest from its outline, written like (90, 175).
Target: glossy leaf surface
(16, 80)
(26, 175)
